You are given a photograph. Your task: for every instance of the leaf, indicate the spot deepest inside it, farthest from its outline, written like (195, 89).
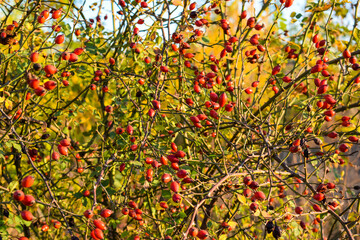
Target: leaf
(136, 163)
(17, 146)
(265, 214)
(241, 198)
(8, 144)
(205, 39)
(153, 36)
(78, 195)
(166, 194)
(182, 215)
(28, 26)
(320, 9)
(283, 26)
(232, 224)
(223, 237)
(84, 202)
(177, 2)
(13, 185)
(8, 104)
(158, 40)
(111, 191)
(352, 216)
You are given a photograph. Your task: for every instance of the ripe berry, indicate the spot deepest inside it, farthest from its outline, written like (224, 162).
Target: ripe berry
(63, 150)
(346, 53)
(202, 234)
(343, 147)
(276, 70)
(60, 39)
(34, 57)
(28, 181)
(88, 214)
(57, 224)
(28, 200)
(222, 99)
(50, 69)
(77, 32)
(316, 208)
(288, 3)
(254, 207)
(73, 57)
(176, 198)
(166, 178)
(175, 186)
(45, 228)
(97, 234)
(56, 14)
(55, 156)
(106, 213)
(99, 224)
(125, 211)
(259, 196)
(50, 85)
(299, 210)
(181, 173)
(26, 215)
(18, 195)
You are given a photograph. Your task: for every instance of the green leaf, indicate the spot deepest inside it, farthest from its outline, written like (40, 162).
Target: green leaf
(17, 146)
(136, 163)
(84, 202)
(13, 185)
(125, 234)
(27, 223)
(112, 223)
(158, 40)
(105, 182)
(111, 191)
(8, 144)
(205, 39)
(182, 215)
(98, 191)
(78, 195)
(166, 194)
(283, 26)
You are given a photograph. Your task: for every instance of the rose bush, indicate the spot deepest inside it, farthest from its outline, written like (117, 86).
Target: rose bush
(179, 119)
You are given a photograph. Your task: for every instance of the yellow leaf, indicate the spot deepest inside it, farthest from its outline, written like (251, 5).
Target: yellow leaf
(177, 2)
(344, 1)
(241, 198)
(265, 214)
(257, 213)
(232, 224)
(320, 9)
(223, 237)
(8, 104)
(352, 216)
